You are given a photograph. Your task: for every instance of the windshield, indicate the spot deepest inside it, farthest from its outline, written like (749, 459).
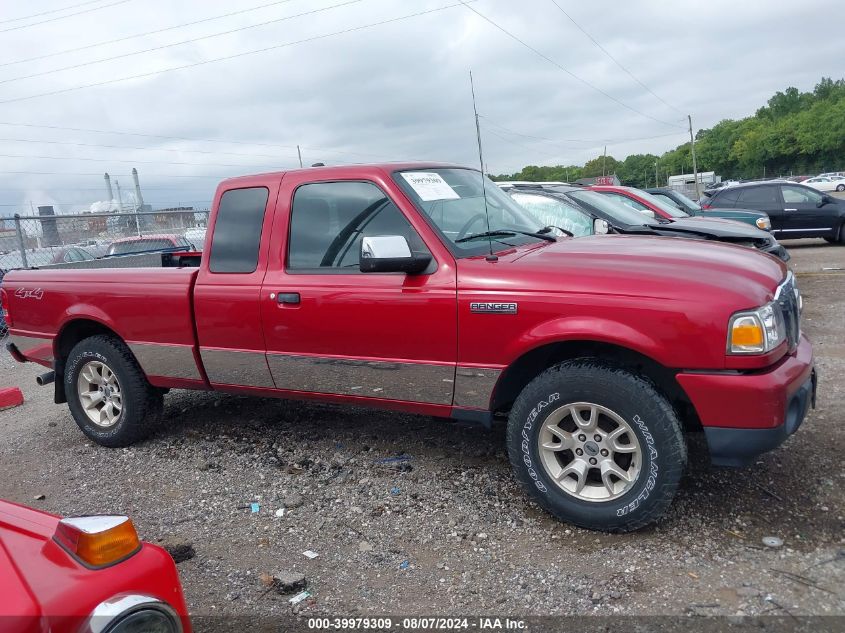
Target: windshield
(670, 209)
(616, 211)
(684, 201)
(554, 212)
(453, 201)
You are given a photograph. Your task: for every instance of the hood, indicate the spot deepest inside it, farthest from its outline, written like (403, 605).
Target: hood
(717, 227)
(672, 269)
(20, 610)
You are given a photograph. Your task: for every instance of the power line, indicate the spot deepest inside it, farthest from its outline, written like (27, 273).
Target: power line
(560, 67)
(183, 138)
(599, 142)
(236, 55)
(144, 149)
(137, 35)
(613, 59)
(86, 204)
(62, 17)
(100, 174)
(38, 15)
(133, 161)
(189, 41)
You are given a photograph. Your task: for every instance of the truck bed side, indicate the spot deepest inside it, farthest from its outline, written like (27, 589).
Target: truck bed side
(149, 308)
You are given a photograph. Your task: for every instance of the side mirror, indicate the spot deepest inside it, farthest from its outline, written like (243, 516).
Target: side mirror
(826, 199)
(391, 254)
(600, 227)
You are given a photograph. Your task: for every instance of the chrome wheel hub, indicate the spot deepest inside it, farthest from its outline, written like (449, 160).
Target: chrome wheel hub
(99, 393)
(589, 451)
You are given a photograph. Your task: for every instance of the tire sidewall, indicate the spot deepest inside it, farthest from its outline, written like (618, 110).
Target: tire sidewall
(76, 361)
(647, 419)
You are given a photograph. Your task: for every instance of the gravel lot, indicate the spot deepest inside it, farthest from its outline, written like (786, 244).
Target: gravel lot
(444, 529)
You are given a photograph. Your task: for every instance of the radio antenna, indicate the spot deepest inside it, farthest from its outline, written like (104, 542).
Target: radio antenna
(491, 257)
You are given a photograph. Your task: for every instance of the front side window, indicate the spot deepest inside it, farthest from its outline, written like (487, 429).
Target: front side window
(553, 212)
(800, 195)
(237, 231)
(464, 211)
(330, 219)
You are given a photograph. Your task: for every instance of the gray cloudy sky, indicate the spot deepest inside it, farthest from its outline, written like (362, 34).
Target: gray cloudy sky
(395, 91)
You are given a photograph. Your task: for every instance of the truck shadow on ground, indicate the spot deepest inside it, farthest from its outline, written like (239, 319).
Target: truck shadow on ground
(795, 488)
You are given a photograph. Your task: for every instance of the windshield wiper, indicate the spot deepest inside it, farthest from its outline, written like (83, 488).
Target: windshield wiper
(549, 229)
(506, 233)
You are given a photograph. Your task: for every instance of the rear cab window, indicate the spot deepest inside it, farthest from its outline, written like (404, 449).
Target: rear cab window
(237, 230)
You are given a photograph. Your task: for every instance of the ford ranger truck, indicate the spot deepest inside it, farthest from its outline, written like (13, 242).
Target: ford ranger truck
(424, 288)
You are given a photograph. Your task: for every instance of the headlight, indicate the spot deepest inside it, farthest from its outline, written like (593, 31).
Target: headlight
(764, 223)
(146, 621)
(133, 613)
(756, 331)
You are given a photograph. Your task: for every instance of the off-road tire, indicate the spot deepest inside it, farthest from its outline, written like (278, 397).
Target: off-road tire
(639, 403)
(142, 403)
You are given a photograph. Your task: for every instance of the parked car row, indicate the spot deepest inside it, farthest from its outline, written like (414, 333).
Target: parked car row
(576, 209)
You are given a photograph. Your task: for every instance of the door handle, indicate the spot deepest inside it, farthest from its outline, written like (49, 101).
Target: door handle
(289, 298)
(790, 209)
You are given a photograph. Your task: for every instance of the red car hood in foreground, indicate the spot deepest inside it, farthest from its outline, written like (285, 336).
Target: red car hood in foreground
(43, 588)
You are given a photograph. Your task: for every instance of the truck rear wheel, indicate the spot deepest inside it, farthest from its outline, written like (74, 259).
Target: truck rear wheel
(596, 446)
(108, 395)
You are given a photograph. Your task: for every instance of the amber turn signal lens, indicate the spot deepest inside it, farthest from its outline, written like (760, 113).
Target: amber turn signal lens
(748, 335)
(98, 541)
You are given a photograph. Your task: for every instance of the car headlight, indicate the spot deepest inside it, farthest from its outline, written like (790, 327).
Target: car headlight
(756, 331)
(133, 613)
(764, 223)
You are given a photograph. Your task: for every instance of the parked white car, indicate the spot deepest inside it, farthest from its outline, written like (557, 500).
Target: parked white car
(196, 237)
(825, 183)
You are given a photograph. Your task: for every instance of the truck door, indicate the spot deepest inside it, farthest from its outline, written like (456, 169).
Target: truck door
(331, 329)
(228, 287)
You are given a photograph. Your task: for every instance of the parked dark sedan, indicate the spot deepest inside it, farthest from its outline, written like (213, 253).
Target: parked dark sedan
(575, 210)
(753, 218)
(796, 210)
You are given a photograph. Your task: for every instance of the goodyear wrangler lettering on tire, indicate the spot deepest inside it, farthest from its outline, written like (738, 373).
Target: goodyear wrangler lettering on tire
(525, 439)
(652, 476)
(580, 445)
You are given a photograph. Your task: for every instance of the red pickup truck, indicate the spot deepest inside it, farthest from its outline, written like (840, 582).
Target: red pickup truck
(423, 288)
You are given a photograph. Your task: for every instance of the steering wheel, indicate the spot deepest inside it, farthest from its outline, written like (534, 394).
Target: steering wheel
(465, 228)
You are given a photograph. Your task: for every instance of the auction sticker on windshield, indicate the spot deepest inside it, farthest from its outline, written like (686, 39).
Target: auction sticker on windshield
(429, 186)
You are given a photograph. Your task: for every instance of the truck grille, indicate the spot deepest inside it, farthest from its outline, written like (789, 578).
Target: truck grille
(788, 299)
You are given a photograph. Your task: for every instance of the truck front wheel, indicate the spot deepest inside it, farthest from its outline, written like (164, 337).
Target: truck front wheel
(108, 395)
(596, 446)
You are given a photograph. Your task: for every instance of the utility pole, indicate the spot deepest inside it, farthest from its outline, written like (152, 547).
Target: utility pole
(604, 163)
(656, 184)
(694, 165)
(300, 156)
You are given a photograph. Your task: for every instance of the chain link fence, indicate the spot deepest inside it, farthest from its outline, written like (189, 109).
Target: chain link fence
(41, 240)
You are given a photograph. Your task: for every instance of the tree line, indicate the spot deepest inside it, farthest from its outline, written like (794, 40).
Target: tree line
(794, 133)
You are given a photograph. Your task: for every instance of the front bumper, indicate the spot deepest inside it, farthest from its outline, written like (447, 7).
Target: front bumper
(778, 251)
(746, 414)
